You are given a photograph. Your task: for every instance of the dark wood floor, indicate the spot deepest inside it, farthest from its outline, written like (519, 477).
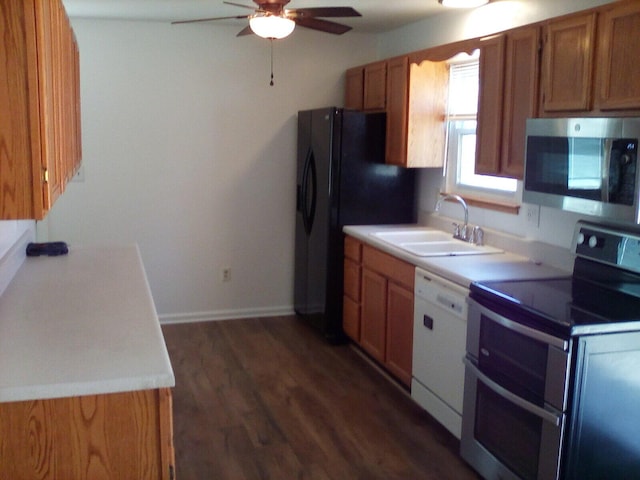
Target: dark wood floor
(269, 399)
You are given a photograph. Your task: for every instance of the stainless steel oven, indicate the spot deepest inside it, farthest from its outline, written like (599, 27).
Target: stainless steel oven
(515, 397)
(552, 367)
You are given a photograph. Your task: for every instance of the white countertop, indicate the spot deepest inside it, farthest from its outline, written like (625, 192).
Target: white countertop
(81, 324)
(462, 269)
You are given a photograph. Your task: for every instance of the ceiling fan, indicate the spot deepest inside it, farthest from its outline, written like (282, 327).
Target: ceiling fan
(271, 20)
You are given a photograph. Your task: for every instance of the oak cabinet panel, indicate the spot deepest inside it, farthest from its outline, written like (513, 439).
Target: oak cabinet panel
(416, 108)
(521, 84)
(39, 88)
(618, 66)
(122, 435)
(352, 279)
(375, 81)
(351, 318)
(399, 348)
(491, 87)
(352, 288)
(397, 98)
(373, 322)
(568, 55)
(386, 323)
(508, 95)
(354, 88)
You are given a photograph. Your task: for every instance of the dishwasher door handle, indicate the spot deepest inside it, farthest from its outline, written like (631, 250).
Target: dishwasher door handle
(427, 321)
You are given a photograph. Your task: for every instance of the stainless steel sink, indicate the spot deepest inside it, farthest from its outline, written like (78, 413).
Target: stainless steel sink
(432, 243)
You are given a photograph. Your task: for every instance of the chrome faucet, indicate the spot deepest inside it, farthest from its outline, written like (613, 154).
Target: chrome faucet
(460, 232)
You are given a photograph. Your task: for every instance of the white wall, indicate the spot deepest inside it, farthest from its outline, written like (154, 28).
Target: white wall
(189, 152)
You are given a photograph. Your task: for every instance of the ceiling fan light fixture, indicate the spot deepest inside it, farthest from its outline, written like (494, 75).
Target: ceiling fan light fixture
(463, 3)
(271, 26)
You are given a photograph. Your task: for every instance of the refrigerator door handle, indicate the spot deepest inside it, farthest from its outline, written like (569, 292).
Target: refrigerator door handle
(309, 192)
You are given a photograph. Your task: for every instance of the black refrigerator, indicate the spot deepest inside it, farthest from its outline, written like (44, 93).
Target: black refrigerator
(341, 180)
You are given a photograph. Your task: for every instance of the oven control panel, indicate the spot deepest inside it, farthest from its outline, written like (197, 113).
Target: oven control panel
(610, 245)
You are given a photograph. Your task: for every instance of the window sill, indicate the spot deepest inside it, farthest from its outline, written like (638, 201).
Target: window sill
(497, 206)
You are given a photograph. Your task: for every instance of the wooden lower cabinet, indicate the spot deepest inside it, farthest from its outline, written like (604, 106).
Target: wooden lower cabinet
(378, 306)
(374, 314)
(96, 437)
(399, 332)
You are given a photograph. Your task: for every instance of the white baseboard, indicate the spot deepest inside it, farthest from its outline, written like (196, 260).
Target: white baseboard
(216, 315)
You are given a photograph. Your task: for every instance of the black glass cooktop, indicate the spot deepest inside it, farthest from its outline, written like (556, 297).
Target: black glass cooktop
(596, 299)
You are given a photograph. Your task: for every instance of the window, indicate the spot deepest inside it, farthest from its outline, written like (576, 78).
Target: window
(461, 121)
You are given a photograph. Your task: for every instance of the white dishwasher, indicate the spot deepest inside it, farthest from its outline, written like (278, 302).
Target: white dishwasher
(439, 338)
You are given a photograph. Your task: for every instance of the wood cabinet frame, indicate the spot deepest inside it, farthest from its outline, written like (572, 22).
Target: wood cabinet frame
(125, 435)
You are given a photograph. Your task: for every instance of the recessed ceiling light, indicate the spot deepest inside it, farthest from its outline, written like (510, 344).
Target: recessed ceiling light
(463, 3)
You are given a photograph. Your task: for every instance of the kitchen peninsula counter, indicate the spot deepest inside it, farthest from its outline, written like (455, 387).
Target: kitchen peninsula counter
(81, 324)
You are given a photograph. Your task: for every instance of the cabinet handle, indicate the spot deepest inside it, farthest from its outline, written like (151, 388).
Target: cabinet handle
(427, 321)
(45, 175)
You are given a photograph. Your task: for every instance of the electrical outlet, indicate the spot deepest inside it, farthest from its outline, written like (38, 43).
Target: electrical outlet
(226, 274)
(532, 212)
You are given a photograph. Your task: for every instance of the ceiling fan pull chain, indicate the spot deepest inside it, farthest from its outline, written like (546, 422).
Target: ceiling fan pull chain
(271, 42)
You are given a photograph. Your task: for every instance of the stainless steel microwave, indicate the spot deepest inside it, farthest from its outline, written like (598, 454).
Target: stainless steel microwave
(584, 165)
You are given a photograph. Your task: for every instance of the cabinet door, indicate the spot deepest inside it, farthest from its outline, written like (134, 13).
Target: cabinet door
(352, 279)
(373, 314)
(399, 332)
(521, 70)
(351, 318)
(568, 64)
(397, 105)
(351, 298)
(490, 105)
(375, 78)
(354, 88)
(119, 435)
(51, 64)
(618, 68)
(427, 108)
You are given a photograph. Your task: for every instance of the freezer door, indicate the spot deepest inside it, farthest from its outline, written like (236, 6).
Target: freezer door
(312, 212)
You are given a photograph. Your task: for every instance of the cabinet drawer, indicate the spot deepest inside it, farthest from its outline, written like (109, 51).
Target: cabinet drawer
(351, 318)
(352, 249)
(352, 279)
(397, 270)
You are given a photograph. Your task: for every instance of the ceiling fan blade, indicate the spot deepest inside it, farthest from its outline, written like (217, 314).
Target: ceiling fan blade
(209, 19)
(323, 12)
(322, 25)
(240, 5)
(245, 31)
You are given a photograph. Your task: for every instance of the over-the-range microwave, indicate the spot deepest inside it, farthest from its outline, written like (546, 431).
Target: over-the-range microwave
(584, 165)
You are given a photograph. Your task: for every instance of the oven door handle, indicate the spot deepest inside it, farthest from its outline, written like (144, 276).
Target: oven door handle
(551, 417)
(522, 329)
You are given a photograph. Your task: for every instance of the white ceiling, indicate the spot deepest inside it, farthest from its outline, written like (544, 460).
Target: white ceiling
(377, 15)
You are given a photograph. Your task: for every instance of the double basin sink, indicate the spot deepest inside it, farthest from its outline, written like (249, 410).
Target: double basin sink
(431, 243)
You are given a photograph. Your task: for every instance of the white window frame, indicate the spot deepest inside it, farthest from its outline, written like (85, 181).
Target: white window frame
(451, 181)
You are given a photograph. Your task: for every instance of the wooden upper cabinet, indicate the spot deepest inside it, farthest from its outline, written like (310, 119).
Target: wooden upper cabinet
(397, 105)
(521, 87)
(375, 81)
(508, 93)
(618, 66)
(416, 107)
(354, 88)
(39, 88)
(490, 101)
(568, 56)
